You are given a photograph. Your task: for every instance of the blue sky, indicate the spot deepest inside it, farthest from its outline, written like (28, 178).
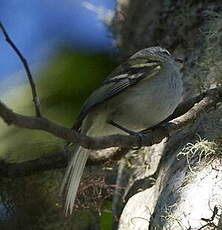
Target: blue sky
(38, 27)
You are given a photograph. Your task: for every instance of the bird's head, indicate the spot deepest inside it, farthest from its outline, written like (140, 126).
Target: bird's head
(156, 53)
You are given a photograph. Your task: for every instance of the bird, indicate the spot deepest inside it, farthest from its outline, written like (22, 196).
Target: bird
(139, 94)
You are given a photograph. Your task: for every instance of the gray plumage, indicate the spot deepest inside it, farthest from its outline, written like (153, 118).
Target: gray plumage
(137, 95)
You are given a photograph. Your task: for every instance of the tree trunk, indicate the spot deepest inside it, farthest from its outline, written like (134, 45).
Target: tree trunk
(177, 183)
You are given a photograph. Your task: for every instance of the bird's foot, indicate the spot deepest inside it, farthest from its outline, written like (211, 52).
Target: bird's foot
(139, 136)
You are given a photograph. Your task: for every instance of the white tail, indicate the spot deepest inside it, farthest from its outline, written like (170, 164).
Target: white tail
(77, 164)
(73, 176)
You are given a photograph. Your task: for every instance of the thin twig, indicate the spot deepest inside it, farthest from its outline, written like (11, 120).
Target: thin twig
(28, 72)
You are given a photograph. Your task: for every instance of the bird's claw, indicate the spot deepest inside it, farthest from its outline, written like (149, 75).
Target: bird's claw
(139, 136)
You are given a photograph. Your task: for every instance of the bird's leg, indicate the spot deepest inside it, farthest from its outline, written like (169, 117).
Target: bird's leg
(138, 135)
(159, 126)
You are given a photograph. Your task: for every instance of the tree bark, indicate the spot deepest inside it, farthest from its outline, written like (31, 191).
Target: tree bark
(174, 184)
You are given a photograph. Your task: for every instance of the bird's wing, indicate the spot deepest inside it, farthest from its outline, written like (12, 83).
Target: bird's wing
(124, 76)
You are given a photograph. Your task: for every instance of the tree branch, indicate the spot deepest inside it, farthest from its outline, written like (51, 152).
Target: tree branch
(44, 163)
(41, 123)
(188, 113)
(28, 72)
(210, 99)
(52, 161)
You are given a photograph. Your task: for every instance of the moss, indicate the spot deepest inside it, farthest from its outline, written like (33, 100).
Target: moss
(199, 150)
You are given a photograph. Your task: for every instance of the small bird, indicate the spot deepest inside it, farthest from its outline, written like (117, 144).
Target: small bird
(139, 94)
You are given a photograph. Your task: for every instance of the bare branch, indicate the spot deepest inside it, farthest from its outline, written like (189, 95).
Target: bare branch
(28, 72)
(44, 163)
(210, 99)
(41, 123)
(52, 161)
(195, 106)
